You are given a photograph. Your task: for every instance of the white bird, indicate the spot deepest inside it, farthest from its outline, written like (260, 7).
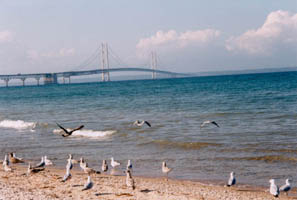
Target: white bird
(47, 161)
(88, 185)
(166, 169)
(83, 164)
(69, 164)
(285, 188)
(41, 164)
(209, 122)
(273, 188)
(5, 161)
(140, 123)
(67, 176)
(104, 166)
(114, 163)
(33, 170)
(129, 180)
(129, 165)
(231, 180)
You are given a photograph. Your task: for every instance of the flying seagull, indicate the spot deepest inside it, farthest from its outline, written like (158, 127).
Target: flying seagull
(140, 123)
(68, 133)
(209, 122)
(231, 180)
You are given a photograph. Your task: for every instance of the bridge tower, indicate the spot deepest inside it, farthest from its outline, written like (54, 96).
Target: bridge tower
(104, 62)
(154, 64)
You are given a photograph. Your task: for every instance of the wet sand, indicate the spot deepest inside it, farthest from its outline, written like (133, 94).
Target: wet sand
(47, 185)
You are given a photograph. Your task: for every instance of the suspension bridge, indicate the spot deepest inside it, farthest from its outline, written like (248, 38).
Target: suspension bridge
(104, 69)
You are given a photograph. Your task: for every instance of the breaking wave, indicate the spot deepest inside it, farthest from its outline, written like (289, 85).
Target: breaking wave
(17, 124)
(88, 133)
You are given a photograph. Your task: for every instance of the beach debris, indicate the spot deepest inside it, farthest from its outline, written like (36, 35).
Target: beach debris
(166, 169)
(274, 190)
(285, 188)
(14, 159)
(104, 166)
(130, 183)
(68, 133)
(89, 184)
(231, 180)
(140, 123)
(209, 122)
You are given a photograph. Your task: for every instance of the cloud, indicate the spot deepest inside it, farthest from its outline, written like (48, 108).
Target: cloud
(278, 31)
(177, 40)
(6, 36)
(64, 52)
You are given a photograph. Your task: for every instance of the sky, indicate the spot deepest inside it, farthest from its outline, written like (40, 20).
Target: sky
(187, 36)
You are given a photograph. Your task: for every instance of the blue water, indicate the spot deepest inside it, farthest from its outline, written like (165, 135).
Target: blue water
(257, 114)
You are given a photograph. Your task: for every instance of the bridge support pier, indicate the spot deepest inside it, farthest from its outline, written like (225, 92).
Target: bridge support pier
(50, 79)
(23, 79)
(6, 80)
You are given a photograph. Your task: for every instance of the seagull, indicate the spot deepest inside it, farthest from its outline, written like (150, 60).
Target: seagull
(33, 170)
(68, 133)
(273, 188)
(41, 164)
(231, 180)
(285, 188)
(67, 176)
(5, 161)
(89, 184)
(114, 163)
(72, 160)
(69, 162)
(90, 171)
(104, 166)
(129, 165)
(140, 123)
(166, 169)
(209, 122)
(14, 159)
(83, 164)
(47, 161)
(129, 180)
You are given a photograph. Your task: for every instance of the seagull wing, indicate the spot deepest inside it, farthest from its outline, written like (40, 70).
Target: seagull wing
(213, 122)
(76, 129)
(61, 127)
(147, 123)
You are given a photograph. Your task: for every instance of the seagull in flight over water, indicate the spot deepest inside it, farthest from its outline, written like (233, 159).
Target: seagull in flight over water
(140, 123)
(68, 133)
(209, 122)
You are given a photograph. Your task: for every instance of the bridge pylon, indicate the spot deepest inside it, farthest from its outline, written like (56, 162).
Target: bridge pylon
(104, 62)
(153, 64)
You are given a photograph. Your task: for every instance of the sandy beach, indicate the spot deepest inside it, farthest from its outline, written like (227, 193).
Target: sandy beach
(47, 185)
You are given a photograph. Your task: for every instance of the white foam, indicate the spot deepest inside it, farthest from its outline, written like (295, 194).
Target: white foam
(88, 133)
(17, 124)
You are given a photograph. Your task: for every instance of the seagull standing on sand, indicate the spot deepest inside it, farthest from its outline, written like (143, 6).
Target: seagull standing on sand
(6, 164)
(33, 170)
(114, 163)
(82, 164)
(41, 164)
(273, 188)
(129, 165)
(104, 166)
(68, 133)
(88, 185)
(166, 169)
(140, 123)
(231, 180)
(209, 122)
(14, 159)
(129, 180)
(47, 161)
(69, 166)
(285, 188)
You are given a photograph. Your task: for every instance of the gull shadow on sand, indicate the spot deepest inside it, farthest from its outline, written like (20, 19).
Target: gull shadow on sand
(77, 185)
(102, 194)
(146, 191)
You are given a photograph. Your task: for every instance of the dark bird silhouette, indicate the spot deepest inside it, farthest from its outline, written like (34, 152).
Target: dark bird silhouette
(209, 122)
(140, 123)
(68, 133)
